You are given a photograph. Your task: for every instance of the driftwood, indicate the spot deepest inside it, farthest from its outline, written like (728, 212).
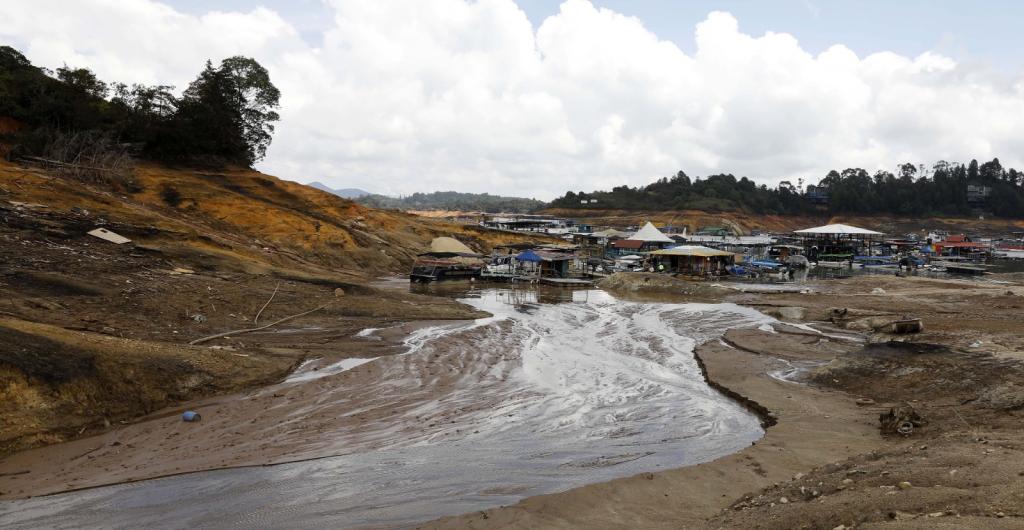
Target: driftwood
(271, 299)
(250, 330)
(69, 165)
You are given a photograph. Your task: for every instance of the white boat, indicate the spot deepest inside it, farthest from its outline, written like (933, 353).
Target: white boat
(1009, 253)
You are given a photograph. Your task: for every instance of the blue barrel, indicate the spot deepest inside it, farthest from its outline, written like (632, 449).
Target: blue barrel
(191, 415)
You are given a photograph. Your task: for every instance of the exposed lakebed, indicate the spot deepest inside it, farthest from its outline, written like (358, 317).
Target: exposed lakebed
(559, 388)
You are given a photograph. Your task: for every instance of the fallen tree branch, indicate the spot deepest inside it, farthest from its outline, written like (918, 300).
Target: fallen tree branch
(250, 330)
(260, 312)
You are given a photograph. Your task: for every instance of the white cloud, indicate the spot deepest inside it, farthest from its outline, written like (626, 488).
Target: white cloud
(413, 95)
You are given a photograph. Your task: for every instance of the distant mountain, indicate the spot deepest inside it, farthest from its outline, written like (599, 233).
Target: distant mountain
(452, 200)
(348, 193)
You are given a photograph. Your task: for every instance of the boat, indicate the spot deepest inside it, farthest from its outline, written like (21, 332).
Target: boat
(1009, 253)
(876, 262)
(447, 259)
(964, 268)
(764, 264)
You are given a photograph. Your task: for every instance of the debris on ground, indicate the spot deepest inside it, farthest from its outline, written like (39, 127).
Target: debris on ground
(873, 321)
(900, 420)
(107, 235)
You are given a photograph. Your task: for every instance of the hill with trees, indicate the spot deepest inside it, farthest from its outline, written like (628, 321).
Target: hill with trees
(453, 200)
(225, 116)
(944, 189)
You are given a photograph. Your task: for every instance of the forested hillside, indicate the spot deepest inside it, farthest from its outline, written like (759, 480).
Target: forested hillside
(226, 115)
(944, 189)
(452, 200)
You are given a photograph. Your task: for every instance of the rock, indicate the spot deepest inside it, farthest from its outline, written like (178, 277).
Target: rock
(840, 527)
(798, 476)
(865, 401)
(936, 514)
(200, 318)
(905, 485)
(339, 292)
(847, 481)
(786, 313)
(878, 290)
(784, 500)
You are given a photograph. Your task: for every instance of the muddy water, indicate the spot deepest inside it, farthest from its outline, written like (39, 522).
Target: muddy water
(558, 389)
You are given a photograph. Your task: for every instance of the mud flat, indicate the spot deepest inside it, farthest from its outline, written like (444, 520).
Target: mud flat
(555, 390)
(824, 464)
(396, 440)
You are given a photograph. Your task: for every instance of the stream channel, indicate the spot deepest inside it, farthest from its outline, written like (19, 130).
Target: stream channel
(559, 388)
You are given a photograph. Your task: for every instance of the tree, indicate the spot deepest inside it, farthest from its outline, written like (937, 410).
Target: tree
(230, 110)
(83, 79)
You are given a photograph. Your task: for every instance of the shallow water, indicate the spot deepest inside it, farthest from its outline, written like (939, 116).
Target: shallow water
(558, 389)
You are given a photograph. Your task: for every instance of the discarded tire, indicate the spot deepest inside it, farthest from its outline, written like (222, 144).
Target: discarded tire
(901, 420)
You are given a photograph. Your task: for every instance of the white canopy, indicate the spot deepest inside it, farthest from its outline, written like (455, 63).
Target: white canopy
(650, 234)
(838, 229)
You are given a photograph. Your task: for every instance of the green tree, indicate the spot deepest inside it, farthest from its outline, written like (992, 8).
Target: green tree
(83, 79)
(230, 110)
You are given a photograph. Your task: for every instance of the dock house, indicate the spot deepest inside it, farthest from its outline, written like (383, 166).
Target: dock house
(694, 260)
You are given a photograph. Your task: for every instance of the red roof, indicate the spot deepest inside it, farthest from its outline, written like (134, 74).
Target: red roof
(629, 244)
(955, 239)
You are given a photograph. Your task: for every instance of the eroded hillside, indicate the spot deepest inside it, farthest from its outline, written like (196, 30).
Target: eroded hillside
(97, 333)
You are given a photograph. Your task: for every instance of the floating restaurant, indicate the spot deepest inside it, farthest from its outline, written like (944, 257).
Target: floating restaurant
(694, 260)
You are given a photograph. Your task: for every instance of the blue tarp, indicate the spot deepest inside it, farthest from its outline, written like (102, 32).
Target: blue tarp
(528, 255)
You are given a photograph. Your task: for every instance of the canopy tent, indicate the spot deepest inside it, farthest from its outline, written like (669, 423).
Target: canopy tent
(691, 250)
(528, 255)
(838, 230)
(449, 246)
(650, 234)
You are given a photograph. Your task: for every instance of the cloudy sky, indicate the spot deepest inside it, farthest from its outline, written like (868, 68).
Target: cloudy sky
(538, 97)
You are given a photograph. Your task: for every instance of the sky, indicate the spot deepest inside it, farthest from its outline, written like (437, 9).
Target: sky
(537, 97)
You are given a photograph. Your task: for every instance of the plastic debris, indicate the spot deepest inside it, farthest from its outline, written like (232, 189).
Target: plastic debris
(107, 235)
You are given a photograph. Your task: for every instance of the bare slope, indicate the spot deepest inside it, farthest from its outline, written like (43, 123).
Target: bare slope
(96, 333)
